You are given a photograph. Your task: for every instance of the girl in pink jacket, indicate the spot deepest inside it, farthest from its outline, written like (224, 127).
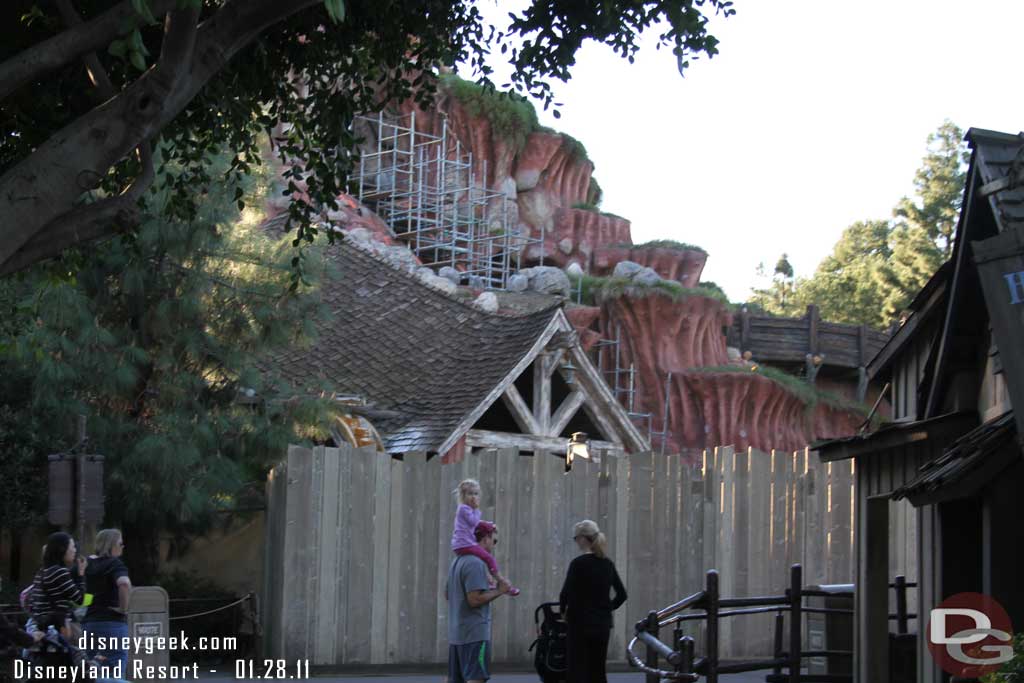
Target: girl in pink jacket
(464, 534)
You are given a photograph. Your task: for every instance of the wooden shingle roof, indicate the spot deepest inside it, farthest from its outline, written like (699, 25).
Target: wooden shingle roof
(970, 462)
(408, 349)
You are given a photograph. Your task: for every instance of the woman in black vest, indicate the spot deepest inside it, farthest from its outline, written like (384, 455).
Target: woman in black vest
(107, 580)
(587, 604)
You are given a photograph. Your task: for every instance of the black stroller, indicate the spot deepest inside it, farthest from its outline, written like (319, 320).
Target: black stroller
(549, 659)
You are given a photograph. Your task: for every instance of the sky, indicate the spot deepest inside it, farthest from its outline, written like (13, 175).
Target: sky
(814, 114)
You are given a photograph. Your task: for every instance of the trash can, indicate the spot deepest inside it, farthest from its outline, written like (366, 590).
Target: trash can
(830, 631)
(148, 620)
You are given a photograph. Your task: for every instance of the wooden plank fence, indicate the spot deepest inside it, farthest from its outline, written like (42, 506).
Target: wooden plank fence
(358, 543)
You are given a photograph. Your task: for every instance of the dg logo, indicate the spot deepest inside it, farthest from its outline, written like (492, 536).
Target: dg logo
(970, 635)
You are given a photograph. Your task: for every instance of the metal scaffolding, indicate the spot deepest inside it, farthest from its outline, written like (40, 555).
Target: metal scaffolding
(621, 379)
(427, 189)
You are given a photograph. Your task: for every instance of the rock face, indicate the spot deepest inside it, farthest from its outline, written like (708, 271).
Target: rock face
(538, 178)
(547, 280)
(548, 173)
(667, 342)
(582, 230)
(683, 266)
(663, 335)
(583, 318)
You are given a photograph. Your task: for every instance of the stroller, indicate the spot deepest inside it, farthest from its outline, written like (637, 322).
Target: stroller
(549, 659)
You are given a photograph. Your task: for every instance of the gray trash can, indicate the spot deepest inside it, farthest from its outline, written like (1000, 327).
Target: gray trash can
(830, 631)
(148, 619)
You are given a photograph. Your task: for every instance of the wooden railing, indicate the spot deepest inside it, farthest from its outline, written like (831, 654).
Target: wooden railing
(787, 661)
(772, 339)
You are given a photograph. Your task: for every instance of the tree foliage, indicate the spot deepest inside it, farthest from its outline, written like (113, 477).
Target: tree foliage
(877, 266)
(88, 88)
(155, 339)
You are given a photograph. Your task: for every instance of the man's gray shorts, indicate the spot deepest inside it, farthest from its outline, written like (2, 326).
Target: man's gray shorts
(469, 662)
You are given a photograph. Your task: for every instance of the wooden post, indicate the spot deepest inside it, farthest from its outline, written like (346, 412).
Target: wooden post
(795, 622)
(862, 346)
(711, 591)
(780, 624)
(812, 329)
(901, 604)
(652, 655)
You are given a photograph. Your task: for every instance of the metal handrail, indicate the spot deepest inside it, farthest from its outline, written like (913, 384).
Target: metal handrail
(685, 603)
(660, 673)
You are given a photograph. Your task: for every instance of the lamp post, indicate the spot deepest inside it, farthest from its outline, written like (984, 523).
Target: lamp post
(578, 447)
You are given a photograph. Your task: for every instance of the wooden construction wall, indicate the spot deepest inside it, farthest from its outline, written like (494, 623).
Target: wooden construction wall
(358, 544)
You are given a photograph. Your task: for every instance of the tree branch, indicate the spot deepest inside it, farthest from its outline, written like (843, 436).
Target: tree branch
(72, 44)
(75, 158)
(97, 73)
(179, 41)
(84, 224)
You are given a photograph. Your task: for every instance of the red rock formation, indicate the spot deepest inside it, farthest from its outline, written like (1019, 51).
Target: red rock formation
(547, 174)
(535, 158)
(684, 266)
(490, 149)
(582, 318)
(574, 235)
(664, 335)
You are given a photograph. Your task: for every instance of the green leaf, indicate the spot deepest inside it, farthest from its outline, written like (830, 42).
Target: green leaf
(141, 8)
(138, 61)
(137, 44)
(118, 48)
(335, 10)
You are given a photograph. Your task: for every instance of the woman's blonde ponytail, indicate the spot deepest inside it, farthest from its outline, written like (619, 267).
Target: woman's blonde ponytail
(589, 530)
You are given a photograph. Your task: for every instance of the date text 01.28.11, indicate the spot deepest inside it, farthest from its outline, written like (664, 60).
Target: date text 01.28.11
(271, 669)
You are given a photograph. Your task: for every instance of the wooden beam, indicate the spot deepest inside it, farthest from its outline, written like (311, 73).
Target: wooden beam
(812, 329)
(552, 360)
(608, 415)
(483, 438)
(499, 389)
(520, 411)
(564, 414)
(541, 394)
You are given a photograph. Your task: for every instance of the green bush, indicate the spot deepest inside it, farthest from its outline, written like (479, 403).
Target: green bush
(669, 244)
(597, 289)
(594, 193)
(1013, 670)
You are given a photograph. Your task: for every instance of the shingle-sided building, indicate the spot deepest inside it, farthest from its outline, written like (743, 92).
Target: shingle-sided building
(438, 375)
(953, 452)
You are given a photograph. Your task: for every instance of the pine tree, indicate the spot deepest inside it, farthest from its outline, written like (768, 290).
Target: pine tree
(154, 338)
(939, 187)
(877, 267)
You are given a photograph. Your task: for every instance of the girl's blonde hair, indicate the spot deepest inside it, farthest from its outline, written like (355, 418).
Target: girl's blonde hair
(589, 530)
(465, 487)
(105, 541)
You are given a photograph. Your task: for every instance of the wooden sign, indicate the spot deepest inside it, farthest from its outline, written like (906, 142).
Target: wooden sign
(1000, 261)
(61, 476)
(90, 489)
(75, 489)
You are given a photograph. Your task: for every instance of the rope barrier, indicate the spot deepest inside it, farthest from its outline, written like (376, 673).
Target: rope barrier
(242, 599)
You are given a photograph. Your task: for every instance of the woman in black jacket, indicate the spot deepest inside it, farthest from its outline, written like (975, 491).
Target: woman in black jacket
(587, 604)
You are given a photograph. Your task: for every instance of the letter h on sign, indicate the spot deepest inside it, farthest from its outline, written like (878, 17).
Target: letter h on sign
(1015, 281)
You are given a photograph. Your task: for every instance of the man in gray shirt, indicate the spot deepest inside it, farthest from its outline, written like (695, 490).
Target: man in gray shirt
(469, 612)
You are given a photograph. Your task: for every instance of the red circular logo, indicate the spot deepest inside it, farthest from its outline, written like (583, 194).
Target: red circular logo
(970, 635)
